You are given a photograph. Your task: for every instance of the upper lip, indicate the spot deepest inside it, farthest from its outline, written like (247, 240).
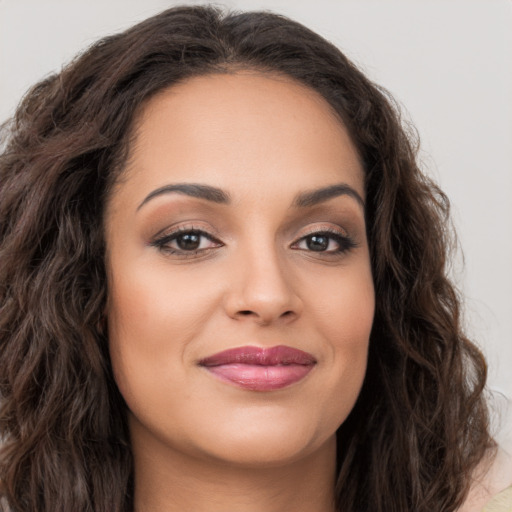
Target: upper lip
(261, 356)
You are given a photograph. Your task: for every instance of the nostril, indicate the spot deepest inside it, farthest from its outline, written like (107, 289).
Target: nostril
(248, 312)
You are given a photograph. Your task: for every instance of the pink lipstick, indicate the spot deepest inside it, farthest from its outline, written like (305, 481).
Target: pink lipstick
(260, 369)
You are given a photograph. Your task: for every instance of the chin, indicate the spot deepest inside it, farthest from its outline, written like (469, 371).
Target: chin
(266, 437)
(267, 449)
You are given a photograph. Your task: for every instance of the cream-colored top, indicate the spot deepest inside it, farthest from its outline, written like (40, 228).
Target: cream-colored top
(502, 502)
(492, 483)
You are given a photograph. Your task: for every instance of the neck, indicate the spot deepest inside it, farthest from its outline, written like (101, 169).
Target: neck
(167, 480)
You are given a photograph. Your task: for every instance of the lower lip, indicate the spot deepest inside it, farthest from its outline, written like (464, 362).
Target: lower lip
(260, 378)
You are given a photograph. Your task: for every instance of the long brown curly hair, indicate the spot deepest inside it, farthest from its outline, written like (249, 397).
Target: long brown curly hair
(420, 425)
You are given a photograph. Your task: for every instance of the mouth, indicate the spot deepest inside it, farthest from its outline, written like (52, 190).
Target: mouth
(260, 369)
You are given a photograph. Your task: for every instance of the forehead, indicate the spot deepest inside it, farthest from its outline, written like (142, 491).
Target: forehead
(244, 128)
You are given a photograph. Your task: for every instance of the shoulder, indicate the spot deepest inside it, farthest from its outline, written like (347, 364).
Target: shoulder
(491, 489)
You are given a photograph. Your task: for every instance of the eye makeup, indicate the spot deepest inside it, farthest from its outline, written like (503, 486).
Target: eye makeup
(186, 228)
(186, 242)
(189, 241)
(322, 242)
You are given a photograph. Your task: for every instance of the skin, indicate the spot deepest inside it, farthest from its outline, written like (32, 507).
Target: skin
(492, 476)
(200, 443)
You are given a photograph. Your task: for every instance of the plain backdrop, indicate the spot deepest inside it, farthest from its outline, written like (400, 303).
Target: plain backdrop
(448, 62)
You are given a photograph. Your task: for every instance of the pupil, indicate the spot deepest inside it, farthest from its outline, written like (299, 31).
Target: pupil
(188, 241)
(317, 243)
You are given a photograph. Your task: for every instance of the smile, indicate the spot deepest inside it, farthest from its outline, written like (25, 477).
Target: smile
(260, 369)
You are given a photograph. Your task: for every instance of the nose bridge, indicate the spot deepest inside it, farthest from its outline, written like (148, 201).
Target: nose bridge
(262, 286)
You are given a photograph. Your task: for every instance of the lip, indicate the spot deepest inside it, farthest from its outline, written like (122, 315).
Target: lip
(260, 369)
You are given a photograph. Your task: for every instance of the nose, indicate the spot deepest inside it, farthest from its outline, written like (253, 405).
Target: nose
(261, 289)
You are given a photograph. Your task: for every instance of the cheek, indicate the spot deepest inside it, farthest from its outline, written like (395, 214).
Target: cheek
(345, 319)
(151, 306)
(344, 307)
(152, 318)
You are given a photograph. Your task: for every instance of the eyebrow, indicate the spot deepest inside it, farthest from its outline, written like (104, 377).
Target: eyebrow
(314, 197)
(217, 195)
(207, 192)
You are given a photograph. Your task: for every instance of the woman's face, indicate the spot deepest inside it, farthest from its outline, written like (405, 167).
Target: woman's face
(240, 290)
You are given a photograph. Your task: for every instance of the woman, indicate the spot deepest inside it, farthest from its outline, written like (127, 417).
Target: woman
(223, 286)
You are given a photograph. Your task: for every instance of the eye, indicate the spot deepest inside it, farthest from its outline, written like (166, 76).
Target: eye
(186, 242)
(325, 241)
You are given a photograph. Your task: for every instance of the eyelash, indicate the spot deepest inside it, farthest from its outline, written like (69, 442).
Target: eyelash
(163, 243)
(345, 243)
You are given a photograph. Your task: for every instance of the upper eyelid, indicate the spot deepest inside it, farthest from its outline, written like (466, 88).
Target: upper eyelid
(333, 234)
(185, 228)
(163, 243)
(174, 234)
(329, 230)
(213, 234)
(166, 239)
